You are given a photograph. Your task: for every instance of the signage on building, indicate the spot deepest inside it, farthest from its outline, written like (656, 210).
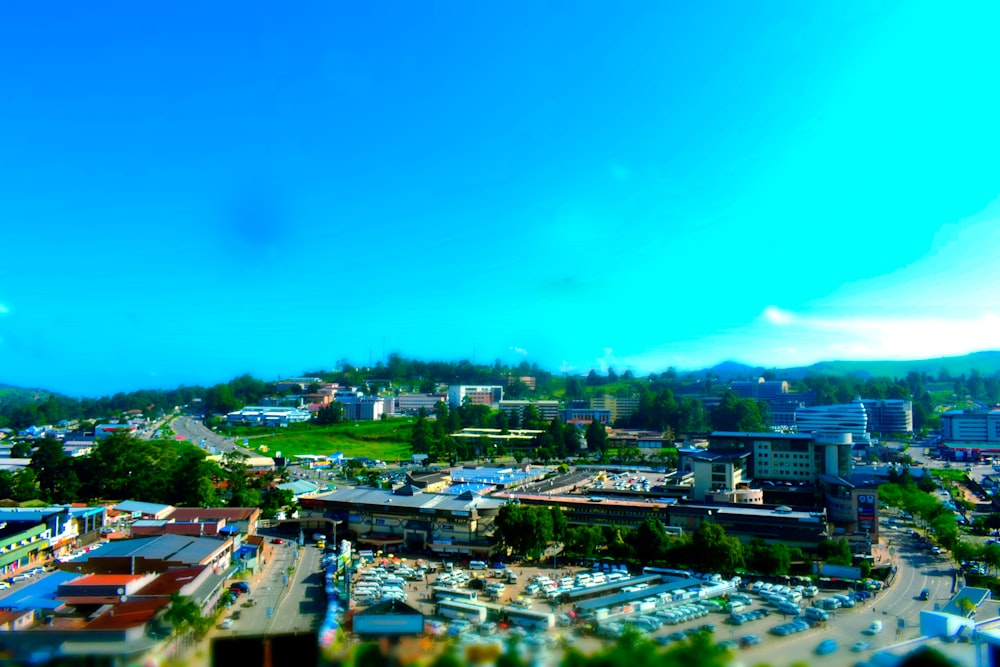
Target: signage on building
(866, 512)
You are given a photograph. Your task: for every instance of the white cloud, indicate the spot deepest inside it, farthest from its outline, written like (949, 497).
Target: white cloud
(519, 350)
(873, 337)
(775, 315)
(4, 309)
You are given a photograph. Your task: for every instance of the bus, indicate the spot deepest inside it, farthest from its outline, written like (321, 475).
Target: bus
(527, 618)
(445, 593)
(458, 609)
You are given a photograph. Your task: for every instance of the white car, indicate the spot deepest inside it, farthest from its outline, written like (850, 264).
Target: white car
(4, 585)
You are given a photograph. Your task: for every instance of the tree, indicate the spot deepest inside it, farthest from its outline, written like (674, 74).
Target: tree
(716, 550)
(736, 414)
(420, 438)
(20, 450)
(330, 414)
(182, 614)
(191, 480)
(652, 541)
(57, 481)
(24, 487)
(772, 559)
(596, 437)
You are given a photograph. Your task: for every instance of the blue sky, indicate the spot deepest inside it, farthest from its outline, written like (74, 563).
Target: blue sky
(191, 193)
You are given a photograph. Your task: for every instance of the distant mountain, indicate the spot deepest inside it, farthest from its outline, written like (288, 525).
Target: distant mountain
(986, 363)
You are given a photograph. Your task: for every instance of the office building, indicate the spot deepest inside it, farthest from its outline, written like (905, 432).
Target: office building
(846, 418)
(490, 395)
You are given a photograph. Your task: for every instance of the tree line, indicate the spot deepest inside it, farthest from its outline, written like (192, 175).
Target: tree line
(122, 466)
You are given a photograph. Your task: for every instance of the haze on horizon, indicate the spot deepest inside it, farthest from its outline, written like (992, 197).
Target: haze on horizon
(191, 193)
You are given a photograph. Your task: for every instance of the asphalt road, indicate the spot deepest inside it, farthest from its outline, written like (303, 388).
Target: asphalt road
(916, 570)
(195, 431)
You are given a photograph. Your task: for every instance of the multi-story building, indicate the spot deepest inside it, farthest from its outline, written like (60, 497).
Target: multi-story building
(584, 415)
(789, 457)
(547, 410)
(619, 407)
(760, 389)
(971, 426)
(438, 522)
(889, 415)
(366, 408)
(846, 418)
(411, 404)
(490, 395)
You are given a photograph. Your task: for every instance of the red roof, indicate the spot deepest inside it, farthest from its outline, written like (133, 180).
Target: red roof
(104, 580)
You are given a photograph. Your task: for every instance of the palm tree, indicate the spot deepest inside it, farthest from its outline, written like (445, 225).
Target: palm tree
(182, 614)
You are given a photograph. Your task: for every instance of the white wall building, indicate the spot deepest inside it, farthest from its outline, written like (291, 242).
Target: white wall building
(846, 418)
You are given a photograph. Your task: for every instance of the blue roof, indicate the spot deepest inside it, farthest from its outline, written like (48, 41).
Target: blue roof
(39, 594)
(141, 507)
(478, 489)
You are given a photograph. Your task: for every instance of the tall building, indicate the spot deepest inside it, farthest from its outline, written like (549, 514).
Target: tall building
(889, 416)
(760, 389)
(847, 418)
(618, 407)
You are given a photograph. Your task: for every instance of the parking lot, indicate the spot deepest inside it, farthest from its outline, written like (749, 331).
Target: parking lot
(753, 616)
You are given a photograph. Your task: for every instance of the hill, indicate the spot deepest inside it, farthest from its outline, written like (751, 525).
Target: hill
(987, 363)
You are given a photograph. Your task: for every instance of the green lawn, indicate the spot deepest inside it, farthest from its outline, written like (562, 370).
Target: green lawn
(386, 440)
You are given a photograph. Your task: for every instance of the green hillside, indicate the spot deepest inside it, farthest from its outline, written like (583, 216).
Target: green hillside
(986, 363)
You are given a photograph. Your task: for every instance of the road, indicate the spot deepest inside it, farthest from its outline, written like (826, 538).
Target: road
(284, 602)
(195, 431)
(916, 570)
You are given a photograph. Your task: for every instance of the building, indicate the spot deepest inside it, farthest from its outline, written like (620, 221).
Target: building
(618, 407)
(760, 389)
(805, 529)
(411, 404)
(365, 408)
(384, 519)
(979, 427)
(790, 457)
(585, 415)
(490, 395)
(547, 410)
(275, 415)
(889, 415)
(528, 381)
(31, 536)
(846, 418)
(106, 608)
(104, 430)
(718, 473)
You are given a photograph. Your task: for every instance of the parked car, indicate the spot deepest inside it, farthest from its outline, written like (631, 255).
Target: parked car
(826, 647)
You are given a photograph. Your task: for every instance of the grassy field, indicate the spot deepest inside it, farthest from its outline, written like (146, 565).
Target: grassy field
(386, 440)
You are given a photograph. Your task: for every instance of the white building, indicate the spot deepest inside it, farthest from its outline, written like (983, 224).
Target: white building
(846, 418)
(490, 395)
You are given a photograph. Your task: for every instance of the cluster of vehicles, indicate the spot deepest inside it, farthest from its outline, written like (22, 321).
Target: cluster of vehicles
(22, 575)
(625, 482)
(553, 589)
(377, 584)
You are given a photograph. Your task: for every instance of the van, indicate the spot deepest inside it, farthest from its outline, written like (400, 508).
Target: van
(845, 600)
(816, 614)
(478, 565)
(511, 576)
